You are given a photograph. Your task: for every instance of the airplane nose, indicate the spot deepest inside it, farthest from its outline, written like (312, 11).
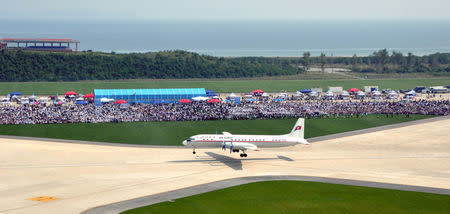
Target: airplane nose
(185, 143)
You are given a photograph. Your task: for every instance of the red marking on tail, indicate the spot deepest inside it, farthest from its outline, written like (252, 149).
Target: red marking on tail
(298, 128)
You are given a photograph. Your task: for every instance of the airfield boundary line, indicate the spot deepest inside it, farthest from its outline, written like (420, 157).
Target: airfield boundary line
(311, 140)
(203, 188)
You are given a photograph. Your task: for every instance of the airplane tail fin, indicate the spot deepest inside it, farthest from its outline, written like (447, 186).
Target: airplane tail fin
(299, 129)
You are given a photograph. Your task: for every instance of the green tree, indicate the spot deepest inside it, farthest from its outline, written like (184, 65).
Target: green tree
(306, 58)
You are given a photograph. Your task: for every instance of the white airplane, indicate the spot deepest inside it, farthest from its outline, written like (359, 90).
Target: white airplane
(243, 143)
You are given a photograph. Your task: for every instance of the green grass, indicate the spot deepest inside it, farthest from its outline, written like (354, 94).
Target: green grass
(173, 133)
(47, 88)
(302, 197)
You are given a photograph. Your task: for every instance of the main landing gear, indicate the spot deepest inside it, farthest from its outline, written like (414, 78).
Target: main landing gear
(243, 155)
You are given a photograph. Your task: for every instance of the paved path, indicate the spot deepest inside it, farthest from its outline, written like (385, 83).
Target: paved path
(194, 190)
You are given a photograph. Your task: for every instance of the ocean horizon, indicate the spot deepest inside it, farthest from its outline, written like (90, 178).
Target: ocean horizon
(243, 38)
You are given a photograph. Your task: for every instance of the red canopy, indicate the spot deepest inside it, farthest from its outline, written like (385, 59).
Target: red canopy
(71, 93)
(353, 90)
(258, 91)
(120, 102)
(88, 96)
(213, 101)
(185, 101)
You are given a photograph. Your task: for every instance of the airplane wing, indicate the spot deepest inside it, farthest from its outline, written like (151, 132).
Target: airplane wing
(245, 146)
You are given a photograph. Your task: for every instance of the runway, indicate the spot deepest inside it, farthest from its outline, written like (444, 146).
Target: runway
(79, 177)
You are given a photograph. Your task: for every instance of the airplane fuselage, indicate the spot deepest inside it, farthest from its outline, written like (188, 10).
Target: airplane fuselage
(260, 141)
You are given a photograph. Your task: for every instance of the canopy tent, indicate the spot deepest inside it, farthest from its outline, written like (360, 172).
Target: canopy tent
(392, 93)
(184, 101)
(232, 95)
(80, 98)
(265, 94)
(32, 97)
(345, 93)
(81, 102)
(376, 93)
(71, 93)
(213, 101)
(298, 94)
(282, 95)
(329, 94)
(251, 100)
(360, 93)
(353, 90)
(120, 102)
(105, 100)
(227, 100)
(413, 93)
(314, 94)
(15, 94)
(210, 93)
(199, 98)
(305, 91)
(278, 100)
(88, 96)
(258, 91)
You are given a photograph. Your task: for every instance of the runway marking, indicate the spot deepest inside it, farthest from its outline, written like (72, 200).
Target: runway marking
(43, 198)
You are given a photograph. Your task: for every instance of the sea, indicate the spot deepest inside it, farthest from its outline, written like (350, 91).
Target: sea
(283, 38)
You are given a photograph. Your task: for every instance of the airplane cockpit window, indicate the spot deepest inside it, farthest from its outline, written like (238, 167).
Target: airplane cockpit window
(190, 139)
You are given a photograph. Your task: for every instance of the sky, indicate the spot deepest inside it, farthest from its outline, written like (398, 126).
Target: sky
(225, 10)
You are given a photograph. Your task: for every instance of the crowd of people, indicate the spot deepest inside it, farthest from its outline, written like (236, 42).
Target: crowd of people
(36, 114)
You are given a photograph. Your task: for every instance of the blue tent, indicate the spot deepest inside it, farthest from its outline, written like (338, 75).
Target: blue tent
(210, 93)
(81, 102)
(251, 100)
(278, 99)
(15, 94)
(306, 91)
(227, 100)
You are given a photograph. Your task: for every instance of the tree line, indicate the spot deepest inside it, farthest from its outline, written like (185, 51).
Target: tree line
(383, 62)
(19, 65)
(46, 66)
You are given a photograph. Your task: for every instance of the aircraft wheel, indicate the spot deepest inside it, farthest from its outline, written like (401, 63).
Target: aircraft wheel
(245, 155)
(193, 152)
(242, 155)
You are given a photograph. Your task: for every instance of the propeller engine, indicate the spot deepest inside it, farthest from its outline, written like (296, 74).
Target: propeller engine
(231, 146)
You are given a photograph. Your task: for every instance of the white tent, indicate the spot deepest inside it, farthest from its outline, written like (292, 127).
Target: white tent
(329, 94)
(393, 95)
(376, 93)
(345, 94)
(265, 94)
(200, 98)
(360, 93)
(232, 95)
(248, 96)
(282, 95)
(298, 94)
(106, 100)
(412, 93)
(314, 94)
